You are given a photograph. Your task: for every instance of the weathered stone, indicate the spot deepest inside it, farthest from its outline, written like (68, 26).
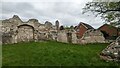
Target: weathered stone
(92, 36)
(57, 25)
(67, 36)
(25, 33)
(48, 25)
(62, 37)
(74, 38)
(15, 30)
(112, 51)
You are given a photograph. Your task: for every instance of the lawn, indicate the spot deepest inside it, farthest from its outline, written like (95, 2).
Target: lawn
(51, 53)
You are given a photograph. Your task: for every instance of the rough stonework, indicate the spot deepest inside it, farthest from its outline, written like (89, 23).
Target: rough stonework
(67, 36)
(62, 36)
(74, 38)
(57, 25)
(48, 25)
(112, 51)
(25, 33)
(92, 36)
(15, 30)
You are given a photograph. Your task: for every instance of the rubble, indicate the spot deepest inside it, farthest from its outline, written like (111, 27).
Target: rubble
(112, 51)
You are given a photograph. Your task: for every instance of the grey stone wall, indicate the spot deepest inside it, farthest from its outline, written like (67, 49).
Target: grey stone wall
(92, 36)
(62, 37)
(15, 30)
(25, 33)
(67, 36)
(74, 38)
(112, 51)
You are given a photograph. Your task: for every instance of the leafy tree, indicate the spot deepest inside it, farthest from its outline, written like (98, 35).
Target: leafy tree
(110, 11)
(71, 26)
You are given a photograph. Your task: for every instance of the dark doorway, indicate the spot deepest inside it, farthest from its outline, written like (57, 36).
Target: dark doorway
(69, 37)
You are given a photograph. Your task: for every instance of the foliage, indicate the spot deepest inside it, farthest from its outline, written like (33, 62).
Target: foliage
(110, 11)
(53, 53)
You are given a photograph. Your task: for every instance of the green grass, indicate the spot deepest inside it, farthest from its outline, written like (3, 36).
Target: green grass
(52, 53)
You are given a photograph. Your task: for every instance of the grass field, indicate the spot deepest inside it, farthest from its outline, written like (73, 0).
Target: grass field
(52, 53)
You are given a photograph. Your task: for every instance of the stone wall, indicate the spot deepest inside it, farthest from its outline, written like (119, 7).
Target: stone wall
(7, 38)
(15, 30)
(112, 51)
(25, 33)
(62, 37)
(53, 34)
(74, 38)
(92, 36)
(32, 30)
(67, 36)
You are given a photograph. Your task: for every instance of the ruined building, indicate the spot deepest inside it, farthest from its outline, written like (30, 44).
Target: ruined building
(87, 34)
(92, 36)
(82, 28)
(110, 32)
(15, 30)
(67, 36)
(112, 51)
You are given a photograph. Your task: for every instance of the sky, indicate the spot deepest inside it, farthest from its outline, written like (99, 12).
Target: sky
(68, 12)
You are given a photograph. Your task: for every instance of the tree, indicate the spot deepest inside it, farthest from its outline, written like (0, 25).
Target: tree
(110, 11)
(71, 27)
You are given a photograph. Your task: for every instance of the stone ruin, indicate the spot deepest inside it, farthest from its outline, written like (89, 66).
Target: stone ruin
(92, 36)
(15, 30)
(112, 51)
(67, 36)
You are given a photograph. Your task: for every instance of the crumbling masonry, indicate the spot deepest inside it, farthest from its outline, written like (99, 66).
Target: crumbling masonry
(14, 30)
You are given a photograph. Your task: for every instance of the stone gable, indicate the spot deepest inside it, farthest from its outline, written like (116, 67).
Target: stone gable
(92, 36)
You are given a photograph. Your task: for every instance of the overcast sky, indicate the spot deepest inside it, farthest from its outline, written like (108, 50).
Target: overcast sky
(68, 12)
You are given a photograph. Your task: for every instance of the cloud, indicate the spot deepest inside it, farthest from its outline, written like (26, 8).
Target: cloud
(10, 8)
(68, 13)
(76, 1)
